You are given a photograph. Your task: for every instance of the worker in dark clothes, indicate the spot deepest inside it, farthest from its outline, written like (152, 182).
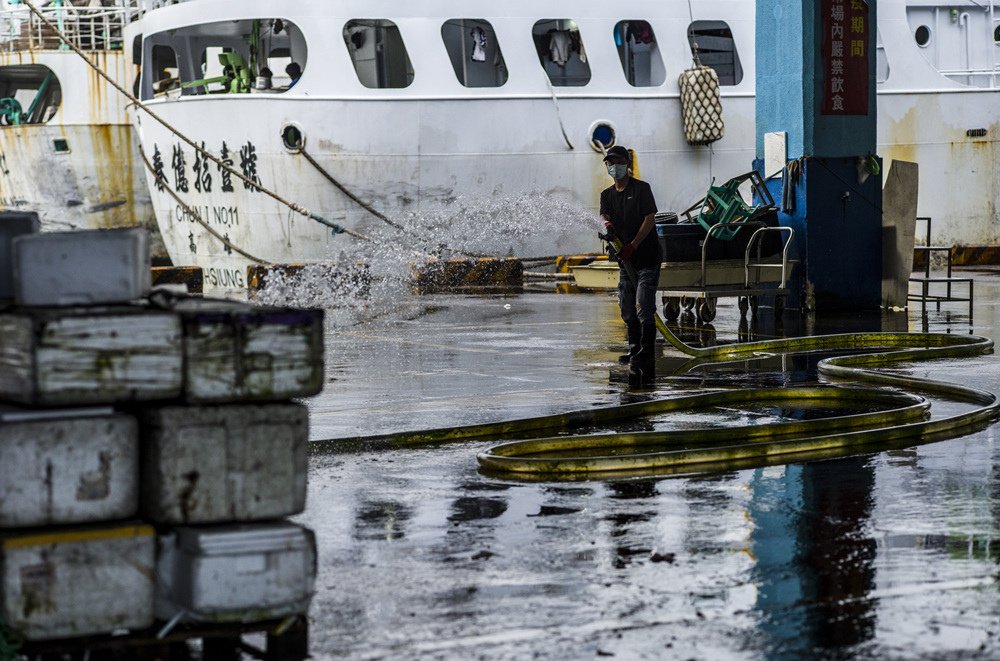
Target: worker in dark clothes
(629, 210)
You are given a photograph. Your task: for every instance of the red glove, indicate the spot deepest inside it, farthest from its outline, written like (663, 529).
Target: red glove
(627, 251)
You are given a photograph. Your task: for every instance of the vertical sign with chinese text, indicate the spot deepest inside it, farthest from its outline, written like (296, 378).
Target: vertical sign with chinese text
(845, 57)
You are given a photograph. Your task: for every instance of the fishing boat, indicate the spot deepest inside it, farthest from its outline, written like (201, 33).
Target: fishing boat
(430, 108)
(66, 142)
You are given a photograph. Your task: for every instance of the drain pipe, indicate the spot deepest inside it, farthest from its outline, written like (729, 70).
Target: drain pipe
(963, 21)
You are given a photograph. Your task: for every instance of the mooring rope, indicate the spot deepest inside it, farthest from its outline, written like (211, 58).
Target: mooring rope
(250, 183)
(300, 149)
(555, 102)
(373, 211)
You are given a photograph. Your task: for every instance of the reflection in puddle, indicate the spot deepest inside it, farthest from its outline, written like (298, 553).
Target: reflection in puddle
(475, 509)
(813, 594)
(384, 520)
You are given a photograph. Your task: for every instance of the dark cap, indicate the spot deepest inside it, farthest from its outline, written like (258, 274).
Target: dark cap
(617, 151)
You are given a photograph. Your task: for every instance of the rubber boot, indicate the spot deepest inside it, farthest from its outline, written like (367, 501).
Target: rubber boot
(633, 332)
(642, 367)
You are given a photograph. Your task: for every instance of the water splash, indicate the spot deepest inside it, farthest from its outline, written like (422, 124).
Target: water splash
(371, 280)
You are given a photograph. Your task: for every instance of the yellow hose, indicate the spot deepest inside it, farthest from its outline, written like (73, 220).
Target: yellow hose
(901, 419)
(729, 448)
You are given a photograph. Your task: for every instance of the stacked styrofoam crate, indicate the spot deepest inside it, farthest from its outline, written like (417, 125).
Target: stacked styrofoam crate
(74, 561)
(209, 451)
(223, 469)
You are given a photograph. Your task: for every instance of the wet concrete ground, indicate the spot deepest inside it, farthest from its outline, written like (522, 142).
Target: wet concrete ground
(887, 555)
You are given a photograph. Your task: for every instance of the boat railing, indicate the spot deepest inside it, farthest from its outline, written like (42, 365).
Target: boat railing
(985, 78)
(149, 5)
(88, 28)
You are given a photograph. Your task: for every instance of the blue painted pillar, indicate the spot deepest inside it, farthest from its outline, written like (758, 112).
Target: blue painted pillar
(816, 83)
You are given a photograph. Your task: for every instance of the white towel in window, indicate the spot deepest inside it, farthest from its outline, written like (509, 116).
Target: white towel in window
(478, 45)
(559, 46)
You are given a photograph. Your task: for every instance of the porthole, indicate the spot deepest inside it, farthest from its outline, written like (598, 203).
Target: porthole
(922, 36)
(602, 136)
(292, 137)
(996, 33)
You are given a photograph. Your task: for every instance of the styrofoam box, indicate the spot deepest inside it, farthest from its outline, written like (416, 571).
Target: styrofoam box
(235, 573)
(239, 352)
(70, 582)
(81, 268)
(69, 466)
(209, 464)
(81, 356)
(12, 224)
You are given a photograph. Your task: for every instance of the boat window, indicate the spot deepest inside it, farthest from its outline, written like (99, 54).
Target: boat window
(922, 35)
(259, 55)
(561, 52)
(474, 52)
(378, 53)
(137, 61)
(713, 45)
(639, 54)
(29, 94)
(166, 74)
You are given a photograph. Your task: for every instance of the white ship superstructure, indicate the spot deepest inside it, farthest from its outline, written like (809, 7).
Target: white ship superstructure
(66, 143)
(413, 105)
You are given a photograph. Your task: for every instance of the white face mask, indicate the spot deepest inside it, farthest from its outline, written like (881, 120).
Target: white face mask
(618, 171)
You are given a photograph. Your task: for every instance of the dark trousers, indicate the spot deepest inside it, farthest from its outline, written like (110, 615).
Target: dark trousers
(629, 297)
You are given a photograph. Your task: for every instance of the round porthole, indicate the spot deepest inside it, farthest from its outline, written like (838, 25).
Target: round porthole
(293, 138)
(922, 35)
(996, 33)
(602, 136)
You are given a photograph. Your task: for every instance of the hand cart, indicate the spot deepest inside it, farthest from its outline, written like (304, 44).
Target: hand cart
(697, 285)
(755, 276)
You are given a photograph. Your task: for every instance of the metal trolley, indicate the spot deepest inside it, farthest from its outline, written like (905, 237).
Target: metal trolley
(724, 214)
(699, 288)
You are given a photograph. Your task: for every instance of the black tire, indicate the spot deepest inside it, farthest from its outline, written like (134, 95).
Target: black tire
(671, 308)
(706, 310)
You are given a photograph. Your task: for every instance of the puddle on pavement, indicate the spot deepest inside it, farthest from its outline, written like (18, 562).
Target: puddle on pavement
(889, 554)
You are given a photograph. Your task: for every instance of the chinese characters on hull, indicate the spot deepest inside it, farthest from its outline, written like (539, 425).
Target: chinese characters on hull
(202, 175)
(203, 181)
(201, 169)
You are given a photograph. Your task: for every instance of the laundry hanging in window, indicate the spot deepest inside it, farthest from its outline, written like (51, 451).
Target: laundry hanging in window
(641, 32)
(357, 37)
(559, 46)
(576, 45)
(478, 44)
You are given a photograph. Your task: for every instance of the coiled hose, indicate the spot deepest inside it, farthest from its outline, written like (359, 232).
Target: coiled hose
(901, 418)
(737, 447)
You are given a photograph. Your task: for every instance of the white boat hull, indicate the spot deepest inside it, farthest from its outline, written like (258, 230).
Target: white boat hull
(79, 170)
(488, 170)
